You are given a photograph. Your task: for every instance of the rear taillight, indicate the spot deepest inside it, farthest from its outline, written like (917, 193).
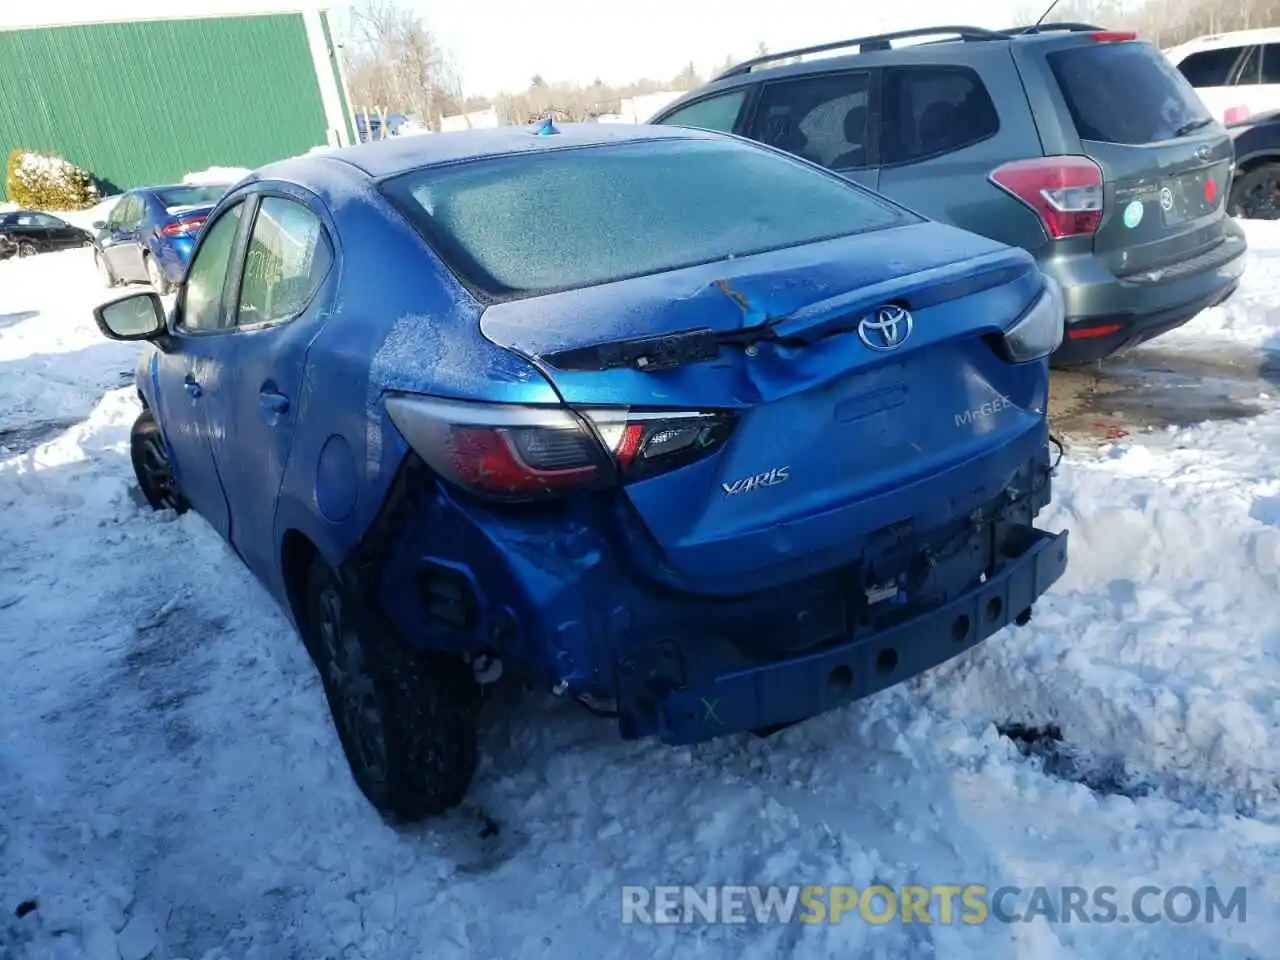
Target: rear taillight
(510, 452)
(1113, 36)
(1236, 115)
(183, 228)
(1064, 192)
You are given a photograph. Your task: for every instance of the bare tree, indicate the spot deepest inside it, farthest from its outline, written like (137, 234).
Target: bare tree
(393, 61)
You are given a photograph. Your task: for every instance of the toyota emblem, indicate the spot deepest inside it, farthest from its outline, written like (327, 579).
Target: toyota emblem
(1166, 199)
(886, 328)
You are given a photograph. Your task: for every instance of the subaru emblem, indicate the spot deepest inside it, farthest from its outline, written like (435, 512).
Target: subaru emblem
(1203, 152)
(887, 328)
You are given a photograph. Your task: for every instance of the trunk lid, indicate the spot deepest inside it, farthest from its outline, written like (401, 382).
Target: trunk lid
(1166, 163)
(834, 440)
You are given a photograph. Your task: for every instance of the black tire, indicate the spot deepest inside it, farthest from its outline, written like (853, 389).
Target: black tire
(152, 468)
(155, 275)
(27, 249)
(104, 269)
(1255, 195)
(406, 719)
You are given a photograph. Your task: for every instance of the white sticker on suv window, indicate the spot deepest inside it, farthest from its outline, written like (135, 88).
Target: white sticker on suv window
(1133, 214)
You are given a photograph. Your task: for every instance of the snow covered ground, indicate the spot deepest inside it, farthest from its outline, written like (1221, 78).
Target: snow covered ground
(170, 785)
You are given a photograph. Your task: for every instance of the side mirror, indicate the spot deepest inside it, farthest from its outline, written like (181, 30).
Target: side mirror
(138, 316)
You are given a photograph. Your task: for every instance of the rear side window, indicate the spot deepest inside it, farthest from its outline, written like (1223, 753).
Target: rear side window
(1125, 93)
(520, 225)
(1210, 68)
(931, 111)
(1271, 63)
(823, 119)
(714, 113)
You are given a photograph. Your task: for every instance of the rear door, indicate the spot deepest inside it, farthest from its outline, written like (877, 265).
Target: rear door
(1166, 163)
(62, 235)
(1257, 88)
(826, 118)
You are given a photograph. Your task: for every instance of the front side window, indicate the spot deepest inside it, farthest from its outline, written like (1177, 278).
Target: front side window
(564, 218)
(202, 293)
(714, 113)
(822, 118)
(930, 111)
(288, 257)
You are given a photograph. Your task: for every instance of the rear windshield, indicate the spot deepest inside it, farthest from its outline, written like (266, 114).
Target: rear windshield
(1126, 93)
(515, 226)
(201, 196)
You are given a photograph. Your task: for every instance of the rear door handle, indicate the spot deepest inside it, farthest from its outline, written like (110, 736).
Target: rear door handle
(273, 404)
(193, 388)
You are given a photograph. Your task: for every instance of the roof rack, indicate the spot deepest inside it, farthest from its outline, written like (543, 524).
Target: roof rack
(876, 41)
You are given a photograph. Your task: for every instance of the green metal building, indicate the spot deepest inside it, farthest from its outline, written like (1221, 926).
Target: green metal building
(142, 101)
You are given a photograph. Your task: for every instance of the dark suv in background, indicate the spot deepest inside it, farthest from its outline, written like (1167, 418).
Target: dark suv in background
(1084, 146)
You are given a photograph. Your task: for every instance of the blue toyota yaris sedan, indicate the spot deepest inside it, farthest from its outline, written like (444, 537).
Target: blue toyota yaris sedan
(677, 425)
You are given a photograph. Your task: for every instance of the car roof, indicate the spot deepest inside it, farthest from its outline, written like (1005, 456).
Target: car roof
(178, 186)
(1216, 41)
(386, 158)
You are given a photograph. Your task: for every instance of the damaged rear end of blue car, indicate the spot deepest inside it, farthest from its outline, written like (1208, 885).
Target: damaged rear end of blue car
(792, 451)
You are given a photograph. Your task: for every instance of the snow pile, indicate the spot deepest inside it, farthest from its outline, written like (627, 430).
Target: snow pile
(54, 363)
(215, 176)
(1251, 318)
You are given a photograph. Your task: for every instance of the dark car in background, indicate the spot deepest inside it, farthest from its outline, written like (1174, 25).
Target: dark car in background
(151, 231)
(1084, 146)
(1255, 190)
(24, 233)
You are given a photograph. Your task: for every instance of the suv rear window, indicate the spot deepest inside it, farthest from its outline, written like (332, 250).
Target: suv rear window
(519, 225)
(1125, 93)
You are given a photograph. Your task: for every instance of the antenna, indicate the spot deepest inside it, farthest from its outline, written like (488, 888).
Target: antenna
(1048, 10)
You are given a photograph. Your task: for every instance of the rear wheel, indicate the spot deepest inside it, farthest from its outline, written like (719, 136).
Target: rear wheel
(27, 249)
(406, 719)
(156, 275)
(1256, 194)
(152, 467)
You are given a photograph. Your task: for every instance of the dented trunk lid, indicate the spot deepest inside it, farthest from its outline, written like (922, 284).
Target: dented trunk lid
(834, 440)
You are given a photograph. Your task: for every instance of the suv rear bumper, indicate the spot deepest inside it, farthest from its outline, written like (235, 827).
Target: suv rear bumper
(1106, 314)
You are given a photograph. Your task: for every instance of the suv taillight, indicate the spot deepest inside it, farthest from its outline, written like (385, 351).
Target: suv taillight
(1064, 192)
(515, 452)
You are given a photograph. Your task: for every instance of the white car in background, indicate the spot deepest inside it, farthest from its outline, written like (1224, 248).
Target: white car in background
(1237, 75)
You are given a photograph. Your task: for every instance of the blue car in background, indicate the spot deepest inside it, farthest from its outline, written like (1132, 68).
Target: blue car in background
(676, 425)
(149, 235)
